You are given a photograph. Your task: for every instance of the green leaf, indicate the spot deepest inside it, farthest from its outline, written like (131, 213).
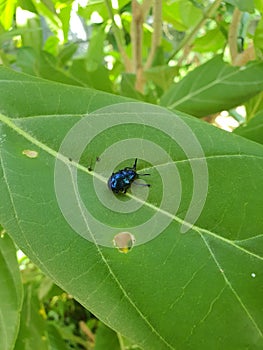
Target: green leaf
(212, 41)
(44, 65)
(32, 334)
(253, 130)
(243, 5)
(258, 37)
(52, 45)
(55, 339)
(259, 5)
(97, 78)
(11, 293)
(254, 105)
(66, 53)
(99, 7)
(64, 16)
(177, 291)
(128, 86)
(161, 75)
(7, 10)
(181, 13)
(95, 53)
(31, 30)
(214, 86)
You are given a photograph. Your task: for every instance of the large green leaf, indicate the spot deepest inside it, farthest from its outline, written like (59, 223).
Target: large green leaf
(11, 293)
(201, 289)
(213, 87)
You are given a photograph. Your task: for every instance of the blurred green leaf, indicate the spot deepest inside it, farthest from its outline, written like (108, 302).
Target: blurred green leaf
(181, 13)
(252, 130)
(212, 41)
(259, 5)
(7, 11)
(11, 293)
(106, 338)
(99, 7)
(66, 53)
(44, 65)
(258, 37)
(254, 105)
(214, 86)
(95, 53)
(56, 342)
(32, 334)
(64, 16)
(98, 78)
(31, 30)
(47, 10)
(243, 5)
(52, 45)
(128, 87)
(162, 76)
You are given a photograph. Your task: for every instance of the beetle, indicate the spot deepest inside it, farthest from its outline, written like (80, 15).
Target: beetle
(121, 180)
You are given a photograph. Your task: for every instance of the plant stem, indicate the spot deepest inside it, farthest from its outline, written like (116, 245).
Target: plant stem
(157, 32)
(146, 5)
(136, 36)
(233, 34)
(189, 38)
(118, 34)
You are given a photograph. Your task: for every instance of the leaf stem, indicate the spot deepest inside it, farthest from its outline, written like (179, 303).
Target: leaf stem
(189, 38)
(157, 32)
(136, 36)
(118, 34)
(233, 34)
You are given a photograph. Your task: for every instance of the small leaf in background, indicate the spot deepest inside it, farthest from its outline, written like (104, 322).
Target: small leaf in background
(7, 11)
(56, 341)
(64, 12)
(30, 26)
(214, 86)
(253, 130)
(95, 53)
(44, 65)
(253, 106)
(97, 78)
(11, 293)
(259, 5)
(162, 76)
(212, 41)
(52, 45)
(66, 53)
(183, 14)
(243, 5)
(258, 37)
(32, 333)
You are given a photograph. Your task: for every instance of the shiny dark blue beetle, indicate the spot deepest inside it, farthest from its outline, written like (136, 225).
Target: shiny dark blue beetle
(122, 179)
